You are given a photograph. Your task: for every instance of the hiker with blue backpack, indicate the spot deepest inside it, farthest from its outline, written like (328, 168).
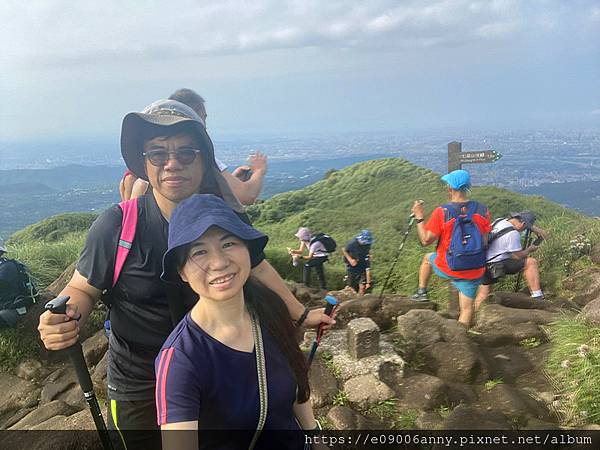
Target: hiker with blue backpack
(460, 228)
(167, 145)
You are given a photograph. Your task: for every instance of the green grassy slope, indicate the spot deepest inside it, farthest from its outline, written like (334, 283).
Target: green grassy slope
(49, 246)
(378, 195)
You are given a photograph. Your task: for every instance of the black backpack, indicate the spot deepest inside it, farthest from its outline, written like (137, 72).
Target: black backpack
(18, 291)
(327, 241)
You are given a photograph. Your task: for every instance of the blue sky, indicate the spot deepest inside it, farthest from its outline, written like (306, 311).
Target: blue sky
(76, 68)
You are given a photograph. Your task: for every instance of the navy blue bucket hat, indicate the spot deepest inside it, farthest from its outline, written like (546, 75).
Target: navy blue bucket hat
(194, 216)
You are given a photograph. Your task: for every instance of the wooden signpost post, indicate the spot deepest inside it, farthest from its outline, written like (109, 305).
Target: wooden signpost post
(456, 158)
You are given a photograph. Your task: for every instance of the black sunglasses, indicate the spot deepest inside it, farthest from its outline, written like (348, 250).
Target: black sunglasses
(160, 158)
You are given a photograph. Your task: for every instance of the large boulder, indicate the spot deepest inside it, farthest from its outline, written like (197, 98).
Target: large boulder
(454, 361)
(366, 390)
(585, 285)
(595, 254)
(515, 404)
(61, 282)
(345, 418)
(421, 392)
(521, 300)
(57, 383)
(43, 413)
(95, 347)
(366, 306)
(30, 369)
(507, 363)
(394, 306)
(499, 325)
(17, 394)
(323, 385)
(591, 312)
(99, 376)
(467, 417)
(418, 329)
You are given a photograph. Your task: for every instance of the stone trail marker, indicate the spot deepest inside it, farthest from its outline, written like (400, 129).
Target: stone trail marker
(363, 338)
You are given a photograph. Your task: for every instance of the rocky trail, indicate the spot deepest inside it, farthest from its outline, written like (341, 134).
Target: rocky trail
(388, 364)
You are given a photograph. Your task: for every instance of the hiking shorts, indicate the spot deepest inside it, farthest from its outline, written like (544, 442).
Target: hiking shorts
(355, 279)
(466, 287)
(511, 266)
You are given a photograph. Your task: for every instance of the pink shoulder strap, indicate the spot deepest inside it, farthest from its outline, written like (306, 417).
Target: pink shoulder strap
(128, 226)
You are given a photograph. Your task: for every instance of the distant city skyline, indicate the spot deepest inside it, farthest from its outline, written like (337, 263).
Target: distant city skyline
(73, 69)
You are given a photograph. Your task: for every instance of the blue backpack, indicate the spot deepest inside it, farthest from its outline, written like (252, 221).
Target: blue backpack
(466, 250)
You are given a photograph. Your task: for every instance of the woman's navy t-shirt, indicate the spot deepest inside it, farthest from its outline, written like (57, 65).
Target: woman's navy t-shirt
(200, 378)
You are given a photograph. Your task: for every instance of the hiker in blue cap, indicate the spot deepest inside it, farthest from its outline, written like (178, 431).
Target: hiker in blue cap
(460, 228)
(167, 145)
(357, 257)
(235, 352)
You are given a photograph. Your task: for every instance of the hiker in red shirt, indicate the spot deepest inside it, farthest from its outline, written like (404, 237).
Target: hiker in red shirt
(460, 228)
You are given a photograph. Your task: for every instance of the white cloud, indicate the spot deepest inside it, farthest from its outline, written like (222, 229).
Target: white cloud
(595, 112)
(56, 33)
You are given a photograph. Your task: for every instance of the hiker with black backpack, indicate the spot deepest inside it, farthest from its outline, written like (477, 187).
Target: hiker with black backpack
(506, 255)
(460, 229)
(319, 245)
(17, 290)
(167, 145)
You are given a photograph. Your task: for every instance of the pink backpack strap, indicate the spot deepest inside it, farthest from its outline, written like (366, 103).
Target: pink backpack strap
(128, 226)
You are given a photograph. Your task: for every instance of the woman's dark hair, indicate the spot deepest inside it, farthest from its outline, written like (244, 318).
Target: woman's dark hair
(274, 318)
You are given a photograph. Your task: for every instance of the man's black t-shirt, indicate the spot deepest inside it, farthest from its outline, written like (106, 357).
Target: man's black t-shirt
(360, 253)
(140, 316)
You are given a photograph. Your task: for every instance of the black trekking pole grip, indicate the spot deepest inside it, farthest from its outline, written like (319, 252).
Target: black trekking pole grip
(75, 353)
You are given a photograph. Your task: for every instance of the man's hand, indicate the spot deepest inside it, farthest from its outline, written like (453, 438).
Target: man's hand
(59, 331)
(418, 210)
(258, 162)
(532, 248)
(353, 262)
(317, 316)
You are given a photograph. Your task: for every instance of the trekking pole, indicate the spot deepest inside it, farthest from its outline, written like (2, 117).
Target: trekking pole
(387, 278)
(527, 242)
(75, 352)
(331, 304)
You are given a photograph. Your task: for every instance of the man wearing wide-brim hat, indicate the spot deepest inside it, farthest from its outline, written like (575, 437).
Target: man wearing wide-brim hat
(167, 145)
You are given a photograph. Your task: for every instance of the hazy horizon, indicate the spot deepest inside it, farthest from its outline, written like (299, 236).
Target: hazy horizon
(73, 69)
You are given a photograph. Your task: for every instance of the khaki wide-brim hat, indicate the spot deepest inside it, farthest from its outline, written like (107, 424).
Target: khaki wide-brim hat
(171, 117)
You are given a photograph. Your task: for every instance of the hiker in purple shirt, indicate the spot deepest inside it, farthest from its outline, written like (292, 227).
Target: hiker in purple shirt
(234, 354)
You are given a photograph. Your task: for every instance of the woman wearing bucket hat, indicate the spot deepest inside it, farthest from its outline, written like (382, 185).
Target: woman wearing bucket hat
(303, 235)
(167, 145)
(211, 369)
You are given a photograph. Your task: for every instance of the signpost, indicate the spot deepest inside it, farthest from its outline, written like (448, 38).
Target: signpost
(456, 158)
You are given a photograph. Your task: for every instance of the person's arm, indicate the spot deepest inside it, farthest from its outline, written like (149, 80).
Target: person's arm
(353, 262)
(368, 273)
(300, 250)
(540, 232)
(425, 236)
(268, 276)
(522, 254)
(247, 191)
(58, 331)
(310, 255)
(180, 435)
